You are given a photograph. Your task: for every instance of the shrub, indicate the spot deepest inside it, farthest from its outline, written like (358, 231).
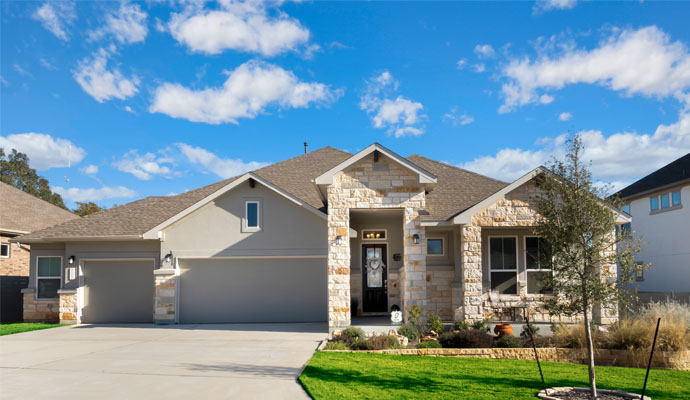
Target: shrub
(351, 335)
(361, 344)
(336, 346)
(409, 332)
(460, 326)
(627, 335)
(466, 339)
(526, 327)
(381, 342)
(668, 311)
(429, 344)
(415, 319)
(574, 336)
(508, 341)
(482, 325)
(434, 322)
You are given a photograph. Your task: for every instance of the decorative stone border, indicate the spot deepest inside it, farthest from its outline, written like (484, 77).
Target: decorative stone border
(546, 393)
(679, 360)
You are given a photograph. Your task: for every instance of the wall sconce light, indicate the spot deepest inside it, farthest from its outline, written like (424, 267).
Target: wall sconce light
(168, 257)
(71, 259)
(339, 240)
(415, 237)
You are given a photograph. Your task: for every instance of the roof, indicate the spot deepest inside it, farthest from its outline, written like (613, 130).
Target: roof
(676, 172)
(23, 213)
(455, 191)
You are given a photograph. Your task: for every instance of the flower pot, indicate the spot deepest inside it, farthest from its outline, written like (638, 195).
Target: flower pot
(503, 329)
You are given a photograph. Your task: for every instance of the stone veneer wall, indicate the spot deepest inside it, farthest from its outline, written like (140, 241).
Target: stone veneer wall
(164, 302)
(438, 289)
(17, 264)
(39, 310)
(366, 185)
(68, 306)
(393, 288)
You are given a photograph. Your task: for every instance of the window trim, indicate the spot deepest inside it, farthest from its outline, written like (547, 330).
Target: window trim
(9, 249)
(54, 277)
(385, 232)
(517, 263)
(443, 246)
(245, 219)
(528, 270)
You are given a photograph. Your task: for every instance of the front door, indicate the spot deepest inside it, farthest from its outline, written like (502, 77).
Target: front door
(374, 278)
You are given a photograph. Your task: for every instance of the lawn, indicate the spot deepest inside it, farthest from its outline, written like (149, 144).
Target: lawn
(19, 327)
(332, 375)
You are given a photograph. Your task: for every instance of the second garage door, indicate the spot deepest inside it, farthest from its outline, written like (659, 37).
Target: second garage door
(275, 290)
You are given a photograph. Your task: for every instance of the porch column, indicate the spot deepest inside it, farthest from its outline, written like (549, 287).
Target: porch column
(471, 273)
(338, 264)
(164, 300)
(414, 267)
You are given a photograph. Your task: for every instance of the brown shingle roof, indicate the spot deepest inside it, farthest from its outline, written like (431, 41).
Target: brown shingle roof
(22, 212)
(456, 189)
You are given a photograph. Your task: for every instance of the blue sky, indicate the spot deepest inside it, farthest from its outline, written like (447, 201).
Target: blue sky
(158, 97)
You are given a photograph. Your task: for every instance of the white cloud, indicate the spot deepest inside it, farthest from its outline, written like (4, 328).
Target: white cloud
(94, 77)
(484, 51)
(642, 61)
(43, 150)
(55, 16)
(546, 99)
(620, 158)
(46, 64)
(399, 116)
(462, 63)
(549, 5)
(90, 169)
(241, 26)
(129, 109)
(565, 116)
(144, 166)
(223, 167)
(94, 194)
(126, 25)
(249, 90)
(463, 119)
(479, 68)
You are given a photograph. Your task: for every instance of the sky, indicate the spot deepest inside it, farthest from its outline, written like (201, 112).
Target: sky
(116, 101)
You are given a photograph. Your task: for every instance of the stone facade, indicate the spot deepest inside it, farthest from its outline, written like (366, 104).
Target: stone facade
(438, 289)
(68, 306)
(39, 310)
(366, 185)
(17, 264)
(164, 302)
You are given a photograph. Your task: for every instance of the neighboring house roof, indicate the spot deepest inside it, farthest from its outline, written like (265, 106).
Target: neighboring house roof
(455, 191)
(674, 173)
(21, 212)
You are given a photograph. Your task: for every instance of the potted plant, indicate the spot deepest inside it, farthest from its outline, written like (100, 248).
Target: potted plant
(503, 329)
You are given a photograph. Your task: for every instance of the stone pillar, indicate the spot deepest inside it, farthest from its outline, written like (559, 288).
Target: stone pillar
(338, 264)
(39, 310)
(68, 306)
(414, 268)
(471, 273)
(164, 301)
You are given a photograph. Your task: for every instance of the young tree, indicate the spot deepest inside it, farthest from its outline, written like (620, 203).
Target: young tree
(578, 226)
(15, 171)
(87, 208)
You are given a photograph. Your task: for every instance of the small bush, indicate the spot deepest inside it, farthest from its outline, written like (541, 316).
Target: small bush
(434, 322)
(336, 346)
(573, 336)
(668, 311)
(361, 344)
(627, 335)
(415, 319)
(409, 332)
(351, 335)
(508, 341)
(429, 344)
(482, 326)
(526, 327)
(466, 339)
(382, 342)
(460, 326)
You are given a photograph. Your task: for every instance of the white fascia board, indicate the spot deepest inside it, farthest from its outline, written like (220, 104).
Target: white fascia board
(436, 223)
(327, 177)
(154, 232)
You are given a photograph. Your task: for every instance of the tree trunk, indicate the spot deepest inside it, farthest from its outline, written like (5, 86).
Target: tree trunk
(590, 354)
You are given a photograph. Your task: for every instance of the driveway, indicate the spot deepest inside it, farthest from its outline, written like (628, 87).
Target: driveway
(242, 361)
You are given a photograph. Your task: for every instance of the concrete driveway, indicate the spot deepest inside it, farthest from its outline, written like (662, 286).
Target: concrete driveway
(242, 361)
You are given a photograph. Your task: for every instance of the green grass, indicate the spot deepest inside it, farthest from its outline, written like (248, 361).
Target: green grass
(383, 376)
(19, 327)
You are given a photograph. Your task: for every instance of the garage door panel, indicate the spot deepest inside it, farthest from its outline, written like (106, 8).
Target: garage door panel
(118, 292)
(277, 290)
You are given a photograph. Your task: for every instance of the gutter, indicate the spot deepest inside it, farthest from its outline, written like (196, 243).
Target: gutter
(78, 239)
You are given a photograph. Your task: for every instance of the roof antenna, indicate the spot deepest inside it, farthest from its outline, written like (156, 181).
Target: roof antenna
(305, 147)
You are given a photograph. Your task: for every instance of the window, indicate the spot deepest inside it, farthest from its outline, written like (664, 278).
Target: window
(48, 277)
(639, 271)
(654, 203)
(4, 250)
(434, 247)
(537, 260)
(626, 209)
(252, 218)
(503, 264)
(371, 234)
(675, 198)
(664, 200)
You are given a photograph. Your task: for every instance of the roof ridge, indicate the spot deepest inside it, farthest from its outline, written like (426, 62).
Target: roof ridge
(299, 156)
(458, 168)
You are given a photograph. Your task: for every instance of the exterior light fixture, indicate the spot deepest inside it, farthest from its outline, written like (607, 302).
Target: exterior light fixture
(338, 240)
(71, 259)
(168, 257)
(415, 237)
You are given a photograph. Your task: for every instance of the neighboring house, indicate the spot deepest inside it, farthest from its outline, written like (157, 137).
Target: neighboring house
(20, 213)
(660, 218)
(303, 240)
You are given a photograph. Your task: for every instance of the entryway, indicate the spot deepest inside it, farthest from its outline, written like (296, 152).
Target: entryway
(374, 278)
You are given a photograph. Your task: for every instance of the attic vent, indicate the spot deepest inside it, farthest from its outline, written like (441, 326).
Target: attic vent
(252, 182)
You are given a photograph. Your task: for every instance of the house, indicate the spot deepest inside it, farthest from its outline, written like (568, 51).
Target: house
(656, 204)
(20, 213)
(305, 239)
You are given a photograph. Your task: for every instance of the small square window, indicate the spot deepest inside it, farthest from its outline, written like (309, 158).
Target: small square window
(675, 198)
(434, 247)
(664, 200)
(654, 203)
(4, 250)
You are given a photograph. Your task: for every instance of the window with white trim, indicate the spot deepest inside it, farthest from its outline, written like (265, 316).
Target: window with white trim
(48, 277)
(4, 250)
(665, 202)
(503, 264)
(434, 247)
(537, 264)
(252, 215)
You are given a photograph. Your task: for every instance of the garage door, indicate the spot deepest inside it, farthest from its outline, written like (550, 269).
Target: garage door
(118, 291)
(276, 290)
